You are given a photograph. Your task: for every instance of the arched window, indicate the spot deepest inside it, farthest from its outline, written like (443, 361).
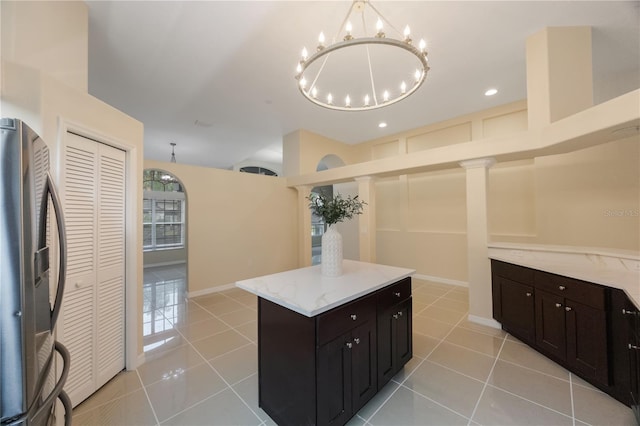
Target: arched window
(258, 170)
(163, 211)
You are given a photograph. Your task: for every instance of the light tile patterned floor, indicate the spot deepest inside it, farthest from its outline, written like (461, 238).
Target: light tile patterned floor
(201, 369)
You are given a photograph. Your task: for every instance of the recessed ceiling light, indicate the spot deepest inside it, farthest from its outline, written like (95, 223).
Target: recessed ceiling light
(382, 124)
(491, 92)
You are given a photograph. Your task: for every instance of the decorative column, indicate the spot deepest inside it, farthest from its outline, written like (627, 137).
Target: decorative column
(478, 263)
(367, 193)
(304, 226)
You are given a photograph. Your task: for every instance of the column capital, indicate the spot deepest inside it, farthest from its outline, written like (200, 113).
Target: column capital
(478, 162)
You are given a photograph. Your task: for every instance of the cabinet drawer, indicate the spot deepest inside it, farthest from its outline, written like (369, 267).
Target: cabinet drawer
(513, 272)
(394, 294)
(571, 288)
(339, 320)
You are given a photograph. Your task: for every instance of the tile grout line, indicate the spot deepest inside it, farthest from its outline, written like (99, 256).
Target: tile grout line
(473, 413)
(144, 388)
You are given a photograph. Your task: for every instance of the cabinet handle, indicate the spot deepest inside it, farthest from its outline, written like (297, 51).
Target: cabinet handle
(349, 345)
(357, 340)
(626, 312)
(395, 316)
(567, 308)
(561, 287)
(354, 317)
(558, 305)
(397, 294)
(399, 313)
(633, 347)
(528, 294)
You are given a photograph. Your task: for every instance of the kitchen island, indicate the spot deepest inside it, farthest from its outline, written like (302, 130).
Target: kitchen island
(326, 345)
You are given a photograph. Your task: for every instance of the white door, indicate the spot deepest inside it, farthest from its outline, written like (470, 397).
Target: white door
(92, 317)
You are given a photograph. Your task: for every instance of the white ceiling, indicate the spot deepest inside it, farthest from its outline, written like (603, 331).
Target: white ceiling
(230, 65)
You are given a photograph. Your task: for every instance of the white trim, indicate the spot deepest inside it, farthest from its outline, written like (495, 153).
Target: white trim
(133, 222)
(139, 361)
(170, 263)
(478, 163)
(441, 280)
(210, 290)
(485, 321)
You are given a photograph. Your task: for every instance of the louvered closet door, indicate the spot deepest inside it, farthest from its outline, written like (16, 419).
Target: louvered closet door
(92, 325)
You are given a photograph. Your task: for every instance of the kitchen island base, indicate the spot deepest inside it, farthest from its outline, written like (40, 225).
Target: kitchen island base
(321, 370)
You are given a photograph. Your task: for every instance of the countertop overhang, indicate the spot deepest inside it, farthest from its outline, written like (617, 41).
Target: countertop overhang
(307, 292)
(613, 268)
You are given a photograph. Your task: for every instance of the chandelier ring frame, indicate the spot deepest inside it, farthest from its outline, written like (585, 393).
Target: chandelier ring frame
(419, 54)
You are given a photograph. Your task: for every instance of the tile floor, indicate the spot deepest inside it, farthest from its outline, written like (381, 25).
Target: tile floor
(201, 369)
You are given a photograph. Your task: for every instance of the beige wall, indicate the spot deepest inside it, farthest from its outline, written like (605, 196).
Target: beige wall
(50, 36)
(590, 197)
(303, 150)
(239, 225)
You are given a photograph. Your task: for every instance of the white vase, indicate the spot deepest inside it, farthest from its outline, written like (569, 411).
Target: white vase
(331, 263)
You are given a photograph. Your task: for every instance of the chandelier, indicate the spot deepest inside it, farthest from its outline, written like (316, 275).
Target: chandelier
(173, 151)
(380, 72)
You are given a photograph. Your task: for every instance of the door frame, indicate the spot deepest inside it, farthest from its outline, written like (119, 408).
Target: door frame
(133, 231)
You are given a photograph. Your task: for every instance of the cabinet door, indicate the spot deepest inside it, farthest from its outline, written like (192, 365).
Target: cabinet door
(335, 394)
(395, 340)
(386, 348)
(364, 383)
(403, 336)
(587, 341)
(550, 324)
(517, 309)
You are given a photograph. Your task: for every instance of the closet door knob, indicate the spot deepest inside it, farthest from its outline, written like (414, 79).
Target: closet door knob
(349, 345)
(528, 294)
(566, 308)
(561, 287)
(354, 317)
(558, 305)
(357, 340)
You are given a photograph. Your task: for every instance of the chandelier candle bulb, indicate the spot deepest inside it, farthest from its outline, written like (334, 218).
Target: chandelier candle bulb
(329, 99)
(422, 45)
(303, 82)
(321, 41)
(347, 101)
(348, 29)
(314, 92)
(403, 87)
(379, 26)
(366, 100)
(385, 96)
(299, 68)
(407, 33)
(305, 54)
(417, 75)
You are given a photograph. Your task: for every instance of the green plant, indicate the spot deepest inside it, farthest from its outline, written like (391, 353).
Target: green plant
(335, 209)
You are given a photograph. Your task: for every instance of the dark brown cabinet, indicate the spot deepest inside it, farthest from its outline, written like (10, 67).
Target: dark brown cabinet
(323, 369)
(564, 318)
(513, 300)
(395, 340)
(346, 374)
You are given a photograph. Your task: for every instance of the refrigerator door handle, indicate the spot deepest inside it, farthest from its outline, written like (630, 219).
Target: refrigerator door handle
(50, 189)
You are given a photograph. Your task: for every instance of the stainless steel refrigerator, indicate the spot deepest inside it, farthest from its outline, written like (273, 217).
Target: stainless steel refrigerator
(30, 382)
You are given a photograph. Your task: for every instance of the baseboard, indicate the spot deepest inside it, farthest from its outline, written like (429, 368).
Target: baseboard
(173, 262)
(485, 321)
(441, 280)
(139, 361)
(210, 290)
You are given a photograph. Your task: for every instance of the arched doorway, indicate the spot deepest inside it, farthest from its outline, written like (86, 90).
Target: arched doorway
(165, 255)
(349, 230)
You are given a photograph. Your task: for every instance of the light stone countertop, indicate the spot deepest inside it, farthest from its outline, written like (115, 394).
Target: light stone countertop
(613, 268)
(309, 293)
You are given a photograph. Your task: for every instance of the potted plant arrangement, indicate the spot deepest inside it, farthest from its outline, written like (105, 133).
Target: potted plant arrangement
(333, 210)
